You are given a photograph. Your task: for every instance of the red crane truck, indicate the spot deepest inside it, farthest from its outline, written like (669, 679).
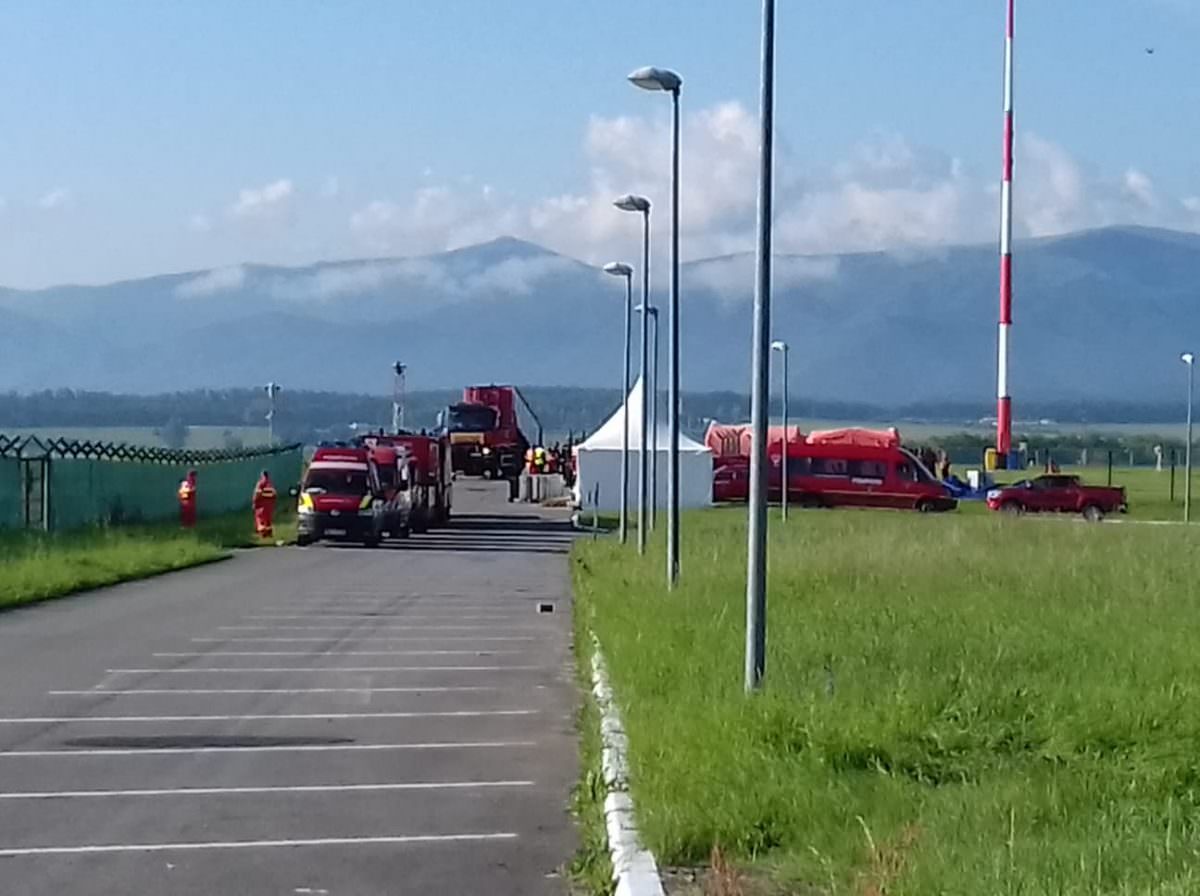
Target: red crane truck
(485, 434)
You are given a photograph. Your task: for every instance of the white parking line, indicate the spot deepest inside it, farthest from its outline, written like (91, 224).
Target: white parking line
(286, 716)
(249, 844)
(159, 691)
(317, 653)
(333, 637)
(195, 669)
(273, 748)
(228, 791)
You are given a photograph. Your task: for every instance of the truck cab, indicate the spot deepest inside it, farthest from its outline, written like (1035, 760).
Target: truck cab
(341, 498)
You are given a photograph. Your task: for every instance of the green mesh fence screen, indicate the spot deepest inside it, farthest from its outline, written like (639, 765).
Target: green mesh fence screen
(118, 484)
(12, 508)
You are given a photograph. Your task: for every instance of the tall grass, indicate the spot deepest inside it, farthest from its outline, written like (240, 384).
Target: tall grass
(958, 704)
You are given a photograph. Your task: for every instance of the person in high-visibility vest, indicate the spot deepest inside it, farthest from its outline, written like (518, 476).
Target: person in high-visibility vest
(539, 459)
(187, 500)
(264, 506)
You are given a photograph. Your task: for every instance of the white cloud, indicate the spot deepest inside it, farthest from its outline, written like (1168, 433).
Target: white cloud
(886, 194)
(260, 201)
(56, 198)
(1139, 187)
(732, 278)
(200, 223)
(214, 281)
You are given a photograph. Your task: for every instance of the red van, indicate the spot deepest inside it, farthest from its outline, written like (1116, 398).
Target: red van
(840, 475)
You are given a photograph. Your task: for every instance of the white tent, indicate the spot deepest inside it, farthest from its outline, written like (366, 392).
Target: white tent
(598, 462)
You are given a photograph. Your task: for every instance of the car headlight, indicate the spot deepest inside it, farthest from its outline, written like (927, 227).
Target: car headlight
(487, 450)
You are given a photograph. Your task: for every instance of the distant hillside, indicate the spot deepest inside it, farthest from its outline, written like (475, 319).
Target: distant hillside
(1099, 315)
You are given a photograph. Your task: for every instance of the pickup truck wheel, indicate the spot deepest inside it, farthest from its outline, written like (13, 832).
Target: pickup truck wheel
(925, 507)
(1011, 508)
(1093, 514)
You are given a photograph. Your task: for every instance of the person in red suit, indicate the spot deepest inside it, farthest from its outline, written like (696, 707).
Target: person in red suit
(264, 506)
(187, 500)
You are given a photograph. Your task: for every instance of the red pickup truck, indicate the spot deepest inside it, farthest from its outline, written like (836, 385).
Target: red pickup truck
(1058, 493)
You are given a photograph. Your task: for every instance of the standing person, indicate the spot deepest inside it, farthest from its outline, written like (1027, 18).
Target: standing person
(264, 506)
(187, 501)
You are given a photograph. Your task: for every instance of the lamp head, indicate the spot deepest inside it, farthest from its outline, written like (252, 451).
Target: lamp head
(618, 269)
(1187, 358)
(651, 78)
(632, 203)
(779, 346)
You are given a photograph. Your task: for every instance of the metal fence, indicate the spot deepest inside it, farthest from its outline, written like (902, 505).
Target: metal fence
(59, 484)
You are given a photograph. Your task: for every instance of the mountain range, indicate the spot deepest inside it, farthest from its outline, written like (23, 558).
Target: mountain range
(1099, 314)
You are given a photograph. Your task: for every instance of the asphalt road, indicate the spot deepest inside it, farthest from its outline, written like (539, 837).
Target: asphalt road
(327, 720)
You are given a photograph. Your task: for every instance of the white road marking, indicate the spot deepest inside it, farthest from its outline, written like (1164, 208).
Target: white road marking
(408, 690)
(280, 748)
(317, 653)
(195, 669)
(228, 791)
(333, 637)
(249, 844)
(290, 716)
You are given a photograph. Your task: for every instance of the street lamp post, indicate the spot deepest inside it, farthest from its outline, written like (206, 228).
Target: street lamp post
(617, 269)
(663, 79)
(782, 348)
(272, 389)
(398, 388)
(653, 419)
(756, 563)
(632, 203)
(1190, 360)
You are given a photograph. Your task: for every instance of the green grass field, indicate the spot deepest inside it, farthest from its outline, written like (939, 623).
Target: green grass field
(954, 704)
(36, 567)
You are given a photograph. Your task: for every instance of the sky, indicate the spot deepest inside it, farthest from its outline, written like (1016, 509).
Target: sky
(140, 137)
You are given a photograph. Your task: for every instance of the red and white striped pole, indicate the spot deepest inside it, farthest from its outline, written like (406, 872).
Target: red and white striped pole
(1004, 402)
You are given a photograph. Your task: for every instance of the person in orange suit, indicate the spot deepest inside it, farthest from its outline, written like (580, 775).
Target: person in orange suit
(264, 506)
(187, 500)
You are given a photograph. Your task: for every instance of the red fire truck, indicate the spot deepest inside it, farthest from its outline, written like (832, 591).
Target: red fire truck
(423, 463)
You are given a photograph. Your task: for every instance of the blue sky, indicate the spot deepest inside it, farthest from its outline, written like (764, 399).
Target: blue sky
(145, 137)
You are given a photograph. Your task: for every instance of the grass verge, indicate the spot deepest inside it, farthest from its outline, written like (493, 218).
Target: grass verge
(591, 869)
(954, 704)
(35, 567)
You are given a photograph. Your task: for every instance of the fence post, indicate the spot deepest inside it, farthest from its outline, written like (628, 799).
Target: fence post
(1172, 499)
(1110, 468)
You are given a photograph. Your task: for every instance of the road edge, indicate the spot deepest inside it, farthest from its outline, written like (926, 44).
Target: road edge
(635, 871)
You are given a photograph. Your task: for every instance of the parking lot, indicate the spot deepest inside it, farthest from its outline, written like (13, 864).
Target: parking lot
(320, 720)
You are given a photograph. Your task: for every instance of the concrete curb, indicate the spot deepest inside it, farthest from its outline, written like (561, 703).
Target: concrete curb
(634, 869)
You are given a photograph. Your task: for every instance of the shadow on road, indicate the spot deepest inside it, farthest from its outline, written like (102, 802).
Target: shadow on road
(487, 533)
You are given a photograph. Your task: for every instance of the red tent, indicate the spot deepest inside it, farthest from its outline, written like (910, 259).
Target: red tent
(736, 439)
(868, 438)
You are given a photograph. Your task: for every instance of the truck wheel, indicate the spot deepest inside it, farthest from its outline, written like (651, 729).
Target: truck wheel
(303, 541)
(925, 507)
(1011, 508)
(371, 541)
(404, 532)
(1093, 514)
(810, 502)
(487, 473)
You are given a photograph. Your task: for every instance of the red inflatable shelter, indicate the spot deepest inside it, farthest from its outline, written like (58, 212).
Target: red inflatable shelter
(867, 438)
(736, 439)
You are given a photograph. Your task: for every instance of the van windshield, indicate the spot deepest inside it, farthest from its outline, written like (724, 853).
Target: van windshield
(336, 482)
